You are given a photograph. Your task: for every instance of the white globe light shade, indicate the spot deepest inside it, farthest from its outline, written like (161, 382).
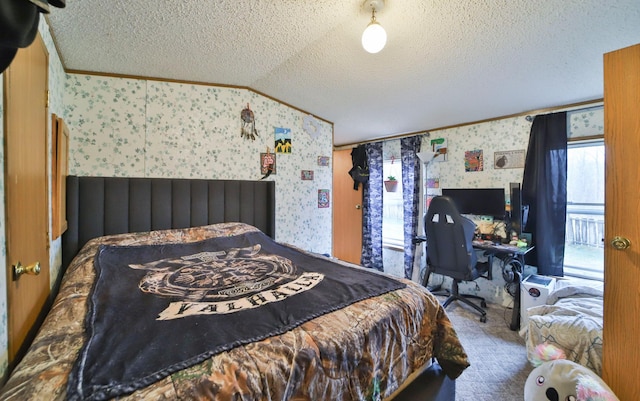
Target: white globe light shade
(374, 38)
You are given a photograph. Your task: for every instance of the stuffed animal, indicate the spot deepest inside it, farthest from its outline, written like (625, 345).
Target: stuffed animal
(558, 379)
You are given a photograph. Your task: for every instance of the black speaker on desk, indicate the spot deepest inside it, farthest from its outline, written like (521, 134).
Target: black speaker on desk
(516, 223)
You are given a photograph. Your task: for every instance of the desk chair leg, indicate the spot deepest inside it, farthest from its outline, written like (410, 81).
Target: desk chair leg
(483, 317)
(433, 289)
(456, 296)
(483, 303)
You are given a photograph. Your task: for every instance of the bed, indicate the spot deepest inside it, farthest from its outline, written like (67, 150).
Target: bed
(122, 324)
(571, 319)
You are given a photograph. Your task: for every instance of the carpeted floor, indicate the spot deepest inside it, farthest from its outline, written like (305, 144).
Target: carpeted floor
(499, 366)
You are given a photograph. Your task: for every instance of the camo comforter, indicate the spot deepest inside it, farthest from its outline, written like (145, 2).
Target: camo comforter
(365, 351)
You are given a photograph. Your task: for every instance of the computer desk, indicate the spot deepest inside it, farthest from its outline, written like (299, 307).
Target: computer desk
(512, 258)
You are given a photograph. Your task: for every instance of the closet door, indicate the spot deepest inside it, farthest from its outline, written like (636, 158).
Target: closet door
(347, 210)
(26, 193)
(621, 338)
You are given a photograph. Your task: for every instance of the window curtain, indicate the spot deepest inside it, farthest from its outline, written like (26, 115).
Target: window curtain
(372, 210)
(544, 192)
(409, 147)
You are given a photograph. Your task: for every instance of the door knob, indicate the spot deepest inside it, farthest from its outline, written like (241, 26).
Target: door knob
(620, 243)
(358, 207)
(19, 270)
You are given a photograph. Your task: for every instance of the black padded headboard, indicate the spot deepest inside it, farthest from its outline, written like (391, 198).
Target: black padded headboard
(98, 206)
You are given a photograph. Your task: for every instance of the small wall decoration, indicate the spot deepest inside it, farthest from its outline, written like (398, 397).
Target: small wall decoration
(439, 146)
(323, 161)
(428, 201)
(283, 140)
(508, 159)
(267, 164)
(248, 124)
(306, 175)
(323, 198)
(433, 182)
(473, 160)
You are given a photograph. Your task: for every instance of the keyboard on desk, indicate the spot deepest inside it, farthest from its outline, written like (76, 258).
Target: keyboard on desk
(485, 242)
(497, 246)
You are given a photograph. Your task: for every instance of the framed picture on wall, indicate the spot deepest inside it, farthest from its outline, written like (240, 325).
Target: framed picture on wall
(267, 163)
(306, 175)
(508, 159)
(323, 198)
(473, 160)
(59, 171)
(439, 147)
(323, 161)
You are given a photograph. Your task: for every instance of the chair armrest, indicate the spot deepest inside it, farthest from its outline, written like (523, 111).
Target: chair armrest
(419, 239)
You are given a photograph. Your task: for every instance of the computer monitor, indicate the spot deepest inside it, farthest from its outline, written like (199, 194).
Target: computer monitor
(478, 201)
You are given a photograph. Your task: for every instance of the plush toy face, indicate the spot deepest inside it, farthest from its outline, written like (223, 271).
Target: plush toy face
(563, 380)
(549, 381)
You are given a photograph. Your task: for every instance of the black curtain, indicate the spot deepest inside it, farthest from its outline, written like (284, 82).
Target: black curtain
(544, 192)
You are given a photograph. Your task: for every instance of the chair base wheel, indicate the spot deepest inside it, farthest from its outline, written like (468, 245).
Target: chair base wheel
(483, 304)
(483, 319)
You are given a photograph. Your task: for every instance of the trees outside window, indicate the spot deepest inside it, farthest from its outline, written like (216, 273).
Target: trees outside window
(584, 240)
(392, 214)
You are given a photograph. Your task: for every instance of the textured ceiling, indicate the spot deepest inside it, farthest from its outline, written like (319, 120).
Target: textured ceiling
(445, 63)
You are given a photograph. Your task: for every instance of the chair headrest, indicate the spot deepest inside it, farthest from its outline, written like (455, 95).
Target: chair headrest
(443, 205)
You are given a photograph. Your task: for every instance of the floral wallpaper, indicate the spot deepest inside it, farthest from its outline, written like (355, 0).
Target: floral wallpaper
(144, 128)
(588, 122)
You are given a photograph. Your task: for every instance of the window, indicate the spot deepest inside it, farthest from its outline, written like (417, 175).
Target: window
(584, 246)
(392, 211)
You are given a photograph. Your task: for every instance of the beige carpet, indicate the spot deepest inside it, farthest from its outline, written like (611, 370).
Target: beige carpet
(499, 366)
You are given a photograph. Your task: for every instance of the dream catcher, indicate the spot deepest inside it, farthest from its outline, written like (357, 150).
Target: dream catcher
(248, 124)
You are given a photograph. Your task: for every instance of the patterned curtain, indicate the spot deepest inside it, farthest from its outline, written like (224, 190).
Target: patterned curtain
(409, 147)
(372, 210)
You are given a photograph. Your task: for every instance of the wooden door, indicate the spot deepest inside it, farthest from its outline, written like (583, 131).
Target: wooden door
(621, 337)
(26, 189)
(347, 210)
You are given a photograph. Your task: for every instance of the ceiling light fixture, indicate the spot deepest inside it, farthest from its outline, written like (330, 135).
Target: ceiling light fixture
(374, 36)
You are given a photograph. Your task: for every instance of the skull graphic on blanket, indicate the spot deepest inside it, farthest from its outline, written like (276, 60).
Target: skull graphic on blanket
(223, 282)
